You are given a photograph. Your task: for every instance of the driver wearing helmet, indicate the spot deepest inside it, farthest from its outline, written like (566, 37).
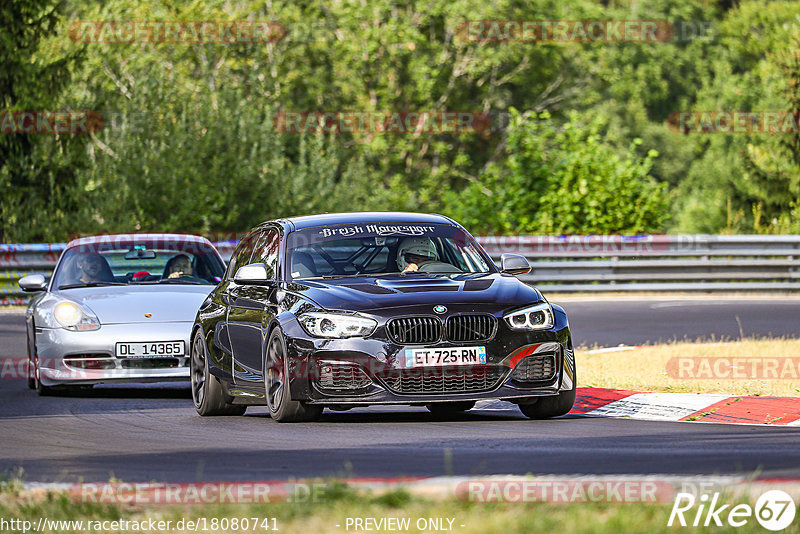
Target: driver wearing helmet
(418, 254)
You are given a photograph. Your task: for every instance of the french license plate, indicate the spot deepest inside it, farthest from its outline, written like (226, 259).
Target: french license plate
(444, 356)
(150, 349)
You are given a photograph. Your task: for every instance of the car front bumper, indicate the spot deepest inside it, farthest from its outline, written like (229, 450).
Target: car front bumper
(67, 357)
(375, 363)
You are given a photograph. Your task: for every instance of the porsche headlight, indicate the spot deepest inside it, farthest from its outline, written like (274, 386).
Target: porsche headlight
(336, 325)
(539, 317)
(71, 316)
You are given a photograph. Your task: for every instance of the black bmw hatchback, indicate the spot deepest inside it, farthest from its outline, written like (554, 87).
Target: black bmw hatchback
(353, 309)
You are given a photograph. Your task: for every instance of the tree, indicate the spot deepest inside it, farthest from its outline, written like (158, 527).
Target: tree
(564, 180)
(772, 167)
(37, 171)
(741, 182)
(194, 166)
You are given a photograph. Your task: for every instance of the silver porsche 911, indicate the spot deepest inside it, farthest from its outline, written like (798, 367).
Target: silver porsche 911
(118, 308)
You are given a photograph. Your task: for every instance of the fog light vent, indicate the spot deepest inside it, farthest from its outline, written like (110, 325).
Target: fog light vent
(535, 368)
(341, 377)
(90, 361)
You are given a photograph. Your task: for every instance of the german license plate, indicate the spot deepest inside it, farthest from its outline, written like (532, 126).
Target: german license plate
(444, 356)
(150, 349)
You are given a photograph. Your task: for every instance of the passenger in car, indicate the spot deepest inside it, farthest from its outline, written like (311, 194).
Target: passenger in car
(419, 254)
(93, 267)
(177, 266)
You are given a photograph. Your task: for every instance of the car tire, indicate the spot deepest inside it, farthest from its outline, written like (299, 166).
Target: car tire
(443, 409)
(276, 385)
(553, 406)
(207, 393)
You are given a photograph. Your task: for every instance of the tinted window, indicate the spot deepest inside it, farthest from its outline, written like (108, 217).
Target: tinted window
(376, 248)
(242, 253)
(267, 251)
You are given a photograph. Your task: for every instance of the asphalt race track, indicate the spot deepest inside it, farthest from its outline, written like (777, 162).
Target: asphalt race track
(152, 432)
(637, 321)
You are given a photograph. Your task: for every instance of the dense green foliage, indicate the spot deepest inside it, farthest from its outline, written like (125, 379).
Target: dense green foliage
(36, 175)
(190, 141)
(563, 180)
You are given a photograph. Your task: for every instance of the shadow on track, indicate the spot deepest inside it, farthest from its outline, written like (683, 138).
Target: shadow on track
(407, 414)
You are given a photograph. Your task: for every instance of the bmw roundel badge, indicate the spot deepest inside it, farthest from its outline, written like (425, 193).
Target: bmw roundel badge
(439, 308)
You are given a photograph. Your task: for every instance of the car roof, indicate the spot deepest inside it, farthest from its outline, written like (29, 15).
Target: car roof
(310, 221)
(123, 238)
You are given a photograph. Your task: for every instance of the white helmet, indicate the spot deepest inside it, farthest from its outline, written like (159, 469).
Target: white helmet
(421, 246)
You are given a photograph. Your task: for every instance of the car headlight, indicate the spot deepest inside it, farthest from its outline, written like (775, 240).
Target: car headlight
(539, 317)
(71, 316)
(336, 325)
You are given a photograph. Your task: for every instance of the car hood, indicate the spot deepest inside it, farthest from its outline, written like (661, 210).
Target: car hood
(366, 293)
(129, 304)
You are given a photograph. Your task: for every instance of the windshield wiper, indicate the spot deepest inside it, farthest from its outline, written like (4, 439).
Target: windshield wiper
(92, 284)
(179, 281)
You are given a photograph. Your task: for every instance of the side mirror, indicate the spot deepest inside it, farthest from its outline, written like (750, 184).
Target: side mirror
(514, 264)
(255, 273)
(34, 282)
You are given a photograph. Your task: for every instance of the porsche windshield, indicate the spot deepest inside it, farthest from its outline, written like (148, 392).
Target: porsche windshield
(138, 262)
(377, 248)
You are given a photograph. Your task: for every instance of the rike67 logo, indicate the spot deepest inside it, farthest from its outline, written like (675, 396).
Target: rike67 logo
(774, 510)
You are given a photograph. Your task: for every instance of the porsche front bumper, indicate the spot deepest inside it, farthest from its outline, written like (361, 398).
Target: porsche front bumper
(67, 357)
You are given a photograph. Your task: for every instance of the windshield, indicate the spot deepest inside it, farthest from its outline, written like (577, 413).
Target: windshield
(377, 248)
(171, 261)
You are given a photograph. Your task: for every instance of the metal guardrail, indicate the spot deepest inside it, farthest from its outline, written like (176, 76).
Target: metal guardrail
(764, 263)
(707, 263)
